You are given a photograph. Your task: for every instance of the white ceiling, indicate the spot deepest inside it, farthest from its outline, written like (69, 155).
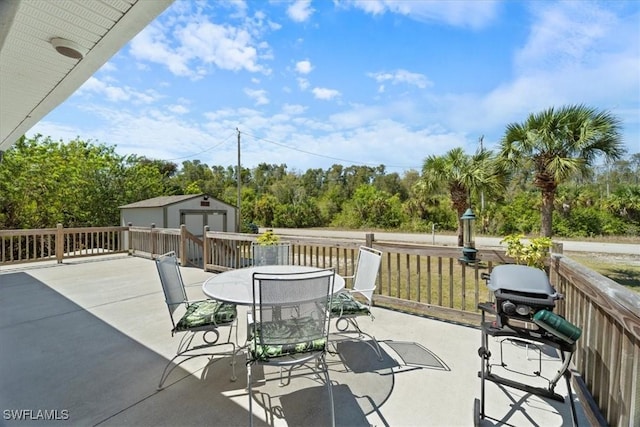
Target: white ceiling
(34, 78)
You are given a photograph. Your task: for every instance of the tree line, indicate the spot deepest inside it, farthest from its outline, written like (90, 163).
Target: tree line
(560, 172)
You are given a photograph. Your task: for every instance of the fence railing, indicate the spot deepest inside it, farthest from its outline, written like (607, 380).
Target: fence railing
(608, 353)
(428, 280)
(152, 241)
(48, 244)
(19, 246)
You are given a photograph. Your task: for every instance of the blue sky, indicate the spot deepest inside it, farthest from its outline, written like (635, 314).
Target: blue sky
(313, 83)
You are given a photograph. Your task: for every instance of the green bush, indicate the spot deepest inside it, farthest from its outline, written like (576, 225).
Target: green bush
(532, 254)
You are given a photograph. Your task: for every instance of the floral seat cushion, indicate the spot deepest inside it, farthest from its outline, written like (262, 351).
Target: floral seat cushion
(344, 304)
(206, 313)
(285, 337)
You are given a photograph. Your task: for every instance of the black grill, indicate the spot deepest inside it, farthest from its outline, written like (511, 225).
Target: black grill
(523, 308)
(520, 292)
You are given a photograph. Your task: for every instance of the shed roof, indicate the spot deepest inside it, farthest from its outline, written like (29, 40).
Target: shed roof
(161, 201)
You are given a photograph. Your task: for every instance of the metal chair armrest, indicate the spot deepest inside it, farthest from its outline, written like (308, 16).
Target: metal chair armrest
(352, 291)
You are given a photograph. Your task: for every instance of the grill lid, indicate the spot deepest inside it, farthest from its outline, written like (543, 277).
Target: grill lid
(520, 278)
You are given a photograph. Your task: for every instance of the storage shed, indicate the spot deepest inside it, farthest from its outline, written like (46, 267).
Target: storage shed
(193, 210)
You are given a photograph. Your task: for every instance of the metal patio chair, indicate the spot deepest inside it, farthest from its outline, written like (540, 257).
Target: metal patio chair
(193, 317)
(348, 309)
(289, 324)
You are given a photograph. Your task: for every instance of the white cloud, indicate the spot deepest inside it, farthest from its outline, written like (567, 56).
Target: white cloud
(117, 94)
(283, 137)
(402, 76)
(303, 84)
(300, 10)
(324, 93)
(565, 33)
(293, 139)
(198, 43)
(239, 6)
(304, 67)
(570, 46)
(461, 13)
(151, 133)
(293, 110)
(178, 109)
(229, 48)
(109, 67)
(259, 95)
(357, 115)
(152, 45)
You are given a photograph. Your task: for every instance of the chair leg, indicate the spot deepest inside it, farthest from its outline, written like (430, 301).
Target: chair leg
(234, 378)
(167, 371)
(165, 374)
(354, 323)
(184, 347)
(330, 390)
(249, 365)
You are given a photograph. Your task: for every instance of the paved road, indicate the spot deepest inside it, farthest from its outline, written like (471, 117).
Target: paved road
(446, 240)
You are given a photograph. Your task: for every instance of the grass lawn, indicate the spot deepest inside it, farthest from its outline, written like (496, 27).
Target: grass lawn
(624, 269)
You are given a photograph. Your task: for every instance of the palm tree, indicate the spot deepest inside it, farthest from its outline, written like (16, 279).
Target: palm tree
(557, 144)
(461, 174)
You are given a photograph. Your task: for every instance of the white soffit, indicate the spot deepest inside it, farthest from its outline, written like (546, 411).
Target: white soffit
(34, 78)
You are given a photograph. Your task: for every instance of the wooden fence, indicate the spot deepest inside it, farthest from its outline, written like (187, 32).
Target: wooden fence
(429, 280)
(423, 279)
(46, 244)
(152, 241)
(608, 353)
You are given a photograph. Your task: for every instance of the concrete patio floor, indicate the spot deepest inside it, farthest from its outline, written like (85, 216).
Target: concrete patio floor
(86, 342)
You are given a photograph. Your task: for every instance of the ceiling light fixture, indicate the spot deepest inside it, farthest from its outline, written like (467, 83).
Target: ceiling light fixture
(67, 48)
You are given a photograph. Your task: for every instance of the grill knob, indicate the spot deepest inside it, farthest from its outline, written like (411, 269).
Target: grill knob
(508, 307)
(523, 310)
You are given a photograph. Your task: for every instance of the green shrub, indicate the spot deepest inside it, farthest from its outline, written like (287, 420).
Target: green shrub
(532, 254)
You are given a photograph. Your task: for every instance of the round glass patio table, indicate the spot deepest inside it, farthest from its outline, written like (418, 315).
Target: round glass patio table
(236, 286)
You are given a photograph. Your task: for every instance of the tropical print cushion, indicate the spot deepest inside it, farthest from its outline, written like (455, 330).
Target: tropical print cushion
(345, 304)
(207, 312)
(284, 337)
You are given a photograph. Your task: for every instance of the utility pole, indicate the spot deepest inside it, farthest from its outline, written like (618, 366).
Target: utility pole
(239, 178)
(481, 191)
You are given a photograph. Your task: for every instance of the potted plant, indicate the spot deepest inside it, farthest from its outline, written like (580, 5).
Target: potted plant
(533, 254)
(268, 238)
(266, 251)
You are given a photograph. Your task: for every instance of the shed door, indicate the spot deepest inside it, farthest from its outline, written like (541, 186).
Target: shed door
(194, 221)
(217, 221)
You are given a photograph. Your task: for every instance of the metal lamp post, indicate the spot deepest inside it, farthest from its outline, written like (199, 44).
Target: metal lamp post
(468, 232)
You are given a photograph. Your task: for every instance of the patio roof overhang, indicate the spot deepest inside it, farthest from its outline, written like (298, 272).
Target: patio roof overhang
(34, 77)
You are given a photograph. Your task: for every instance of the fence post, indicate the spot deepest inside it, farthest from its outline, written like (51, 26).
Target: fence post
(557, 247)
(183, 244)
(129, 241)
(555, 279)
(205, 248)
(369, 239)
(59, 243)
(154, 243)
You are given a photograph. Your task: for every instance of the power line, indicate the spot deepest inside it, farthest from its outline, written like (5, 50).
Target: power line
(325, 156)
(203, 151)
